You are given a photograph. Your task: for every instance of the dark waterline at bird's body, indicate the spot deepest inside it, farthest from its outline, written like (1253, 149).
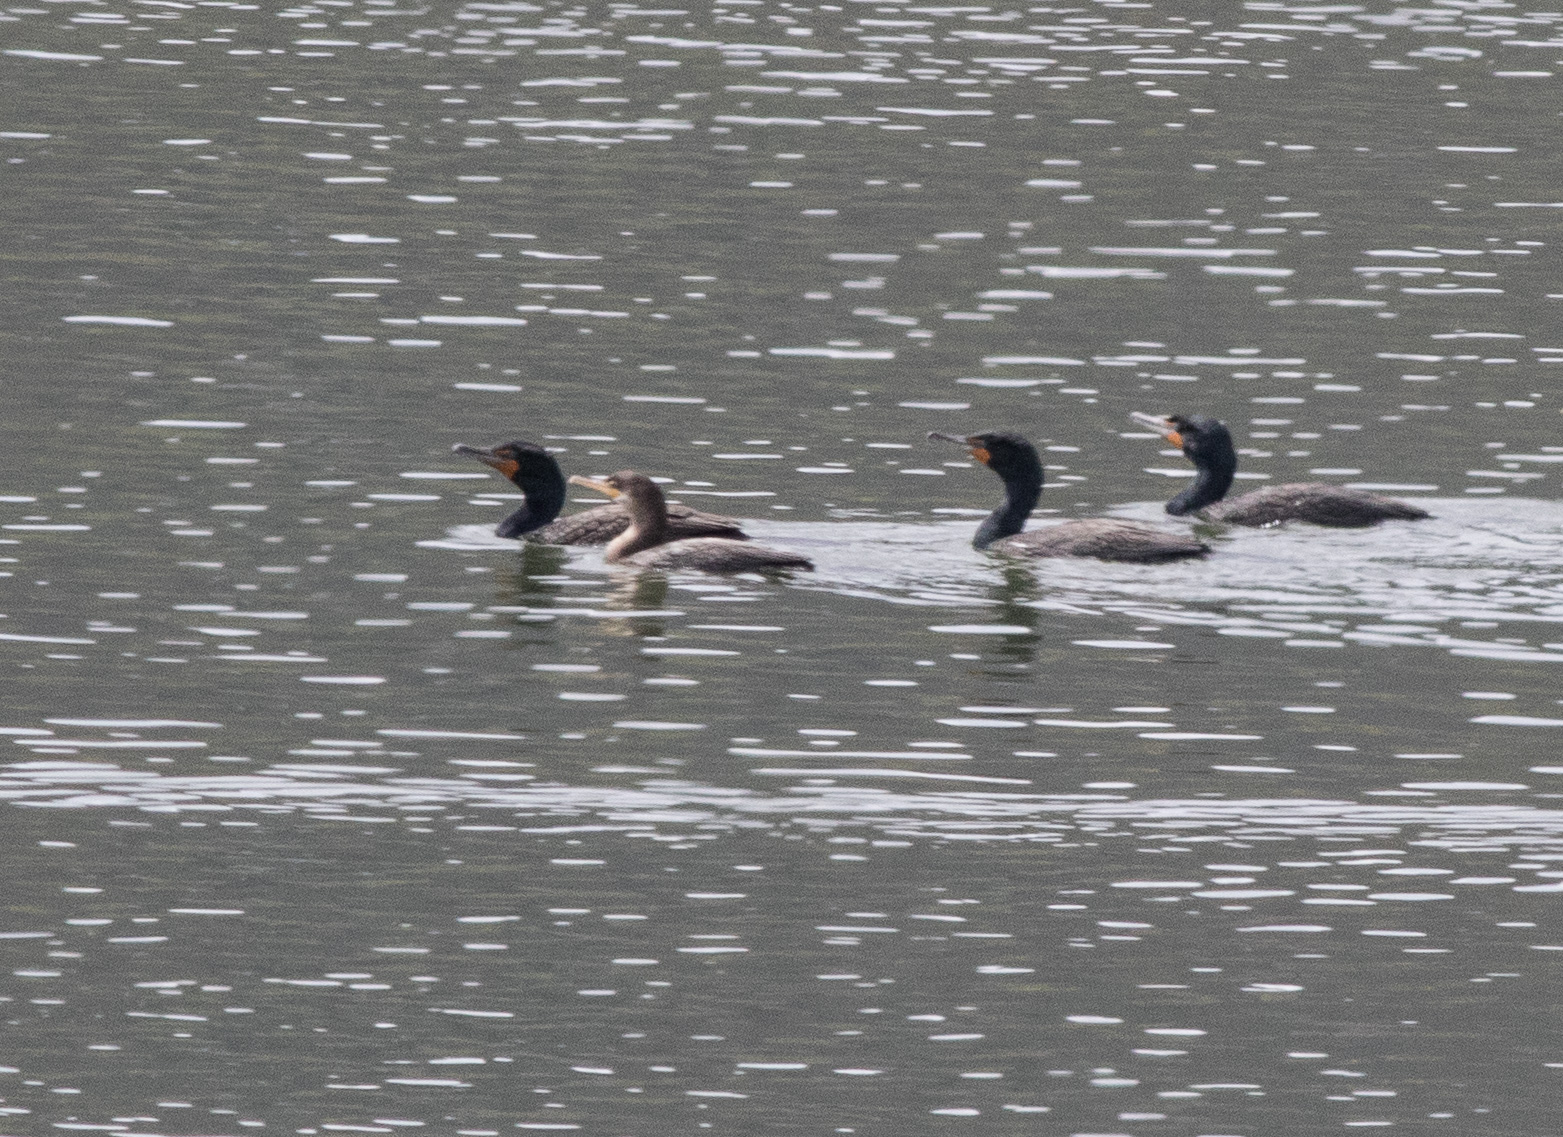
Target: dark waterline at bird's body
(538, 476)
(649, 541)
(1015, 461)
(1207, 443)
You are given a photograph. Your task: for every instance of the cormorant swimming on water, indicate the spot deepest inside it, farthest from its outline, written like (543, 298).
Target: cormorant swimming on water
(1207, 443)
(649, 542)
(1015, 461)
(541, 482)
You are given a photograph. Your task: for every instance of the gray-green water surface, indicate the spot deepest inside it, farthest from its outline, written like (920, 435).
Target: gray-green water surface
(326, 811)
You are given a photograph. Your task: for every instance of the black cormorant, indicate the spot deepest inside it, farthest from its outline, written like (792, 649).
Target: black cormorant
(1015, 461)
(1207, 443)
(542, 484)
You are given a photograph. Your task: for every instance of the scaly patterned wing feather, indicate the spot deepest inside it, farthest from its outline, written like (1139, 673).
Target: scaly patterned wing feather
(717, 554)
(1106, 539)
(601, 524)
(1338, 507)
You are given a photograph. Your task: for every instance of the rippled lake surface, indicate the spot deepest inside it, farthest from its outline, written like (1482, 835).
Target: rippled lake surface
(327, 811)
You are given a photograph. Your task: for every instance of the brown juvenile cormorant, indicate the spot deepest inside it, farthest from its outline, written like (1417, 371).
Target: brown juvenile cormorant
(1208, 444)
(541, 482)
(650, 543)
(1015, 461)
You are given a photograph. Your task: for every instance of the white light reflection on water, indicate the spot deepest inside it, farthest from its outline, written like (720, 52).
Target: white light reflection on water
(1097, 961)
(815, 228)
(1016, 816)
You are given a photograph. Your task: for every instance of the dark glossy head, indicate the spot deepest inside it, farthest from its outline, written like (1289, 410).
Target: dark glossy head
(521, 462)
(1207, 443)
(1005, 453)
(1204, 440)
(1015, 461)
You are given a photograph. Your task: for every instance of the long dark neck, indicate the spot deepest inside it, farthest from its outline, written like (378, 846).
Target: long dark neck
(648, 523)
(544, 499)
(1211, 482)
(1022, 488)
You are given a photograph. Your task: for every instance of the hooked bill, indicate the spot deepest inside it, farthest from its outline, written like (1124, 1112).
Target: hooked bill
(1161, 425)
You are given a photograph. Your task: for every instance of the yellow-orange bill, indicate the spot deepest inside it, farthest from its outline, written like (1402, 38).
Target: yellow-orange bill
(592, 484)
